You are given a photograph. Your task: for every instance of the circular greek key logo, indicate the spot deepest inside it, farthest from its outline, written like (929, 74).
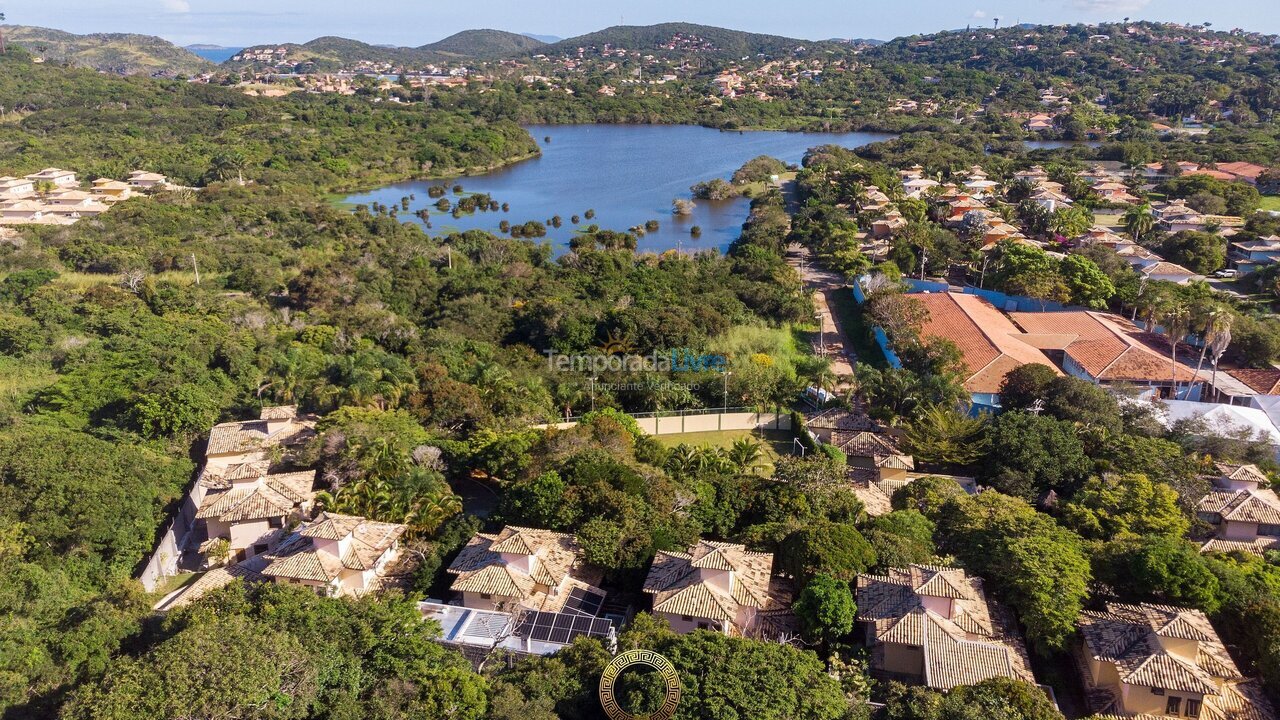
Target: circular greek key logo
(640, 657)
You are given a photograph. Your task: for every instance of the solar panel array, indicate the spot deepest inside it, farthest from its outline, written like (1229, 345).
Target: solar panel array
(561, 628)
(584, 601)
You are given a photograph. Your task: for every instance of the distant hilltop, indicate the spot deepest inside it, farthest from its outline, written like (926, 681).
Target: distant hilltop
(119, 53)
(327, 53)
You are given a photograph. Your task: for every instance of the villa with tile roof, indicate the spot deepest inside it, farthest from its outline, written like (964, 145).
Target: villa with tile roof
(252, 509)
(1105, 348)
(934, 626)
(1155, 661)
(875, 451)
(722, 587)
(1244, 514)
(990, 345)
(535, 569)
(335, 555)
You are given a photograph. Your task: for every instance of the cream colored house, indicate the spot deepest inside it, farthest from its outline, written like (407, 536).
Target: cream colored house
(1159, 661)
(934, 626)
(526, 568)
(242, 441)
(1245, 515)
(13, 188)
(722, 587)
(253, 510)
(143, 180)
(59, 178)
(335, 555)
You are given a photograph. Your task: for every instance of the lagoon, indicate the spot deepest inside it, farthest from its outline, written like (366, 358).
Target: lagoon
(628, 174)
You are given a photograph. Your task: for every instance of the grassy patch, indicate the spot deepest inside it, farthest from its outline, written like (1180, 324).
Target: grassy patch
(773, 443)
(849, 314)
(18, 379)
(170, 584)
(1271, 202)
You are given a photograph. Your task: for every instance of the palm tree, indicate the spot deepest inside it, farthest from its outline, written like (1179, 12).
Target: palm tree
(1139, 222)
(1177, 321)
(1211, 320)
(230, 164)
(744, 454)
(3, 49)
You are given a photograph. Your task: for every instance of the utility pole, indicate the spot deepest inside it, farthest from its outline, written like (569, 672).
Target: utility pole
(593, 393)
(195, 266)
(726, 390)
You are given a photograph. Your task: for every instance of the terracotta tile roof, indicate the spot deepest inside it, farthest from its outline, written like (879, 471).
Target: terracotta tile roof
(271, 496)
(1242, 169)
(1252, 506)
(989, 343)
(300, 557)
(677, 584)
(841, 419)
(556, 560)
(874, 499)
(254, 435)
(975, 643)
(1128, 636)
(1108, 347)
(882, 449)
(1264, 381)
(213, 580)
(1257, 546)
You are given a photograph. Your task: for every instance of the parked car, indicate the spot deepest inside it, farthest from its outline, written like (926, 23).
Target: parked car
(1227, 273)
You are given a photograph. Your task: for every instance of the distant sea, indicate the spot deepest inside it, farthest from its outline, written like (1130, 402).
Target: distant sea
(217, 55)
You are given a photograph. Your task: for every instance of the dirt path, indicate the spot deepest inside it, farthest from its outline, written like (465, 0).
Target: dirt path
(823, 284)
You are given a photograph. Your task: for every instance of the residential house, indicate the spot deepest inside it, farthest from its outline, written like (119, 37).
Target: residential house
(990, 345)
(478, 633)
(828, 423)
(877, 452)
(335, 555)
(526, 567)
(934, 626)
(1243, 510)
(888, 225)
(1243, 171)
(1114, 192)
(1105, 348)
(14, 188)
(1166, 271)
(1254, 254)
(112, 190)
(1150, 661)
(58, 178)
(146, 181)
(252, 509)
(720, 586)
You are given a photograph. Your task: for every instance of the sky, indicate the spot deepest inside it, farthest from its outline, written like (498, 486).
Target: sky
(417, 22)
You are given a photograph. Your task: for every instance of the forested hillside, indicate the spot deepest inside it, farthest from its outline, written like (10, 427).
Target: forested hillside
(117, 53)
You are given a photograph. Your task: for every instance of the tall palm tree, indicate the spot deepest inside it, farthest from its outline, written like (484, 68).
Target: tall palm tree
(1139, 222)
(1177, 321)
(1211, 321)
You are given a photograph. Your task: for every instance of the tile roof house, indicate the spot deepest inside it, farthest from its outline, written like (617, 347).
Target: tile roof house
(251, 509)
(1106, 348)
(875, 451)
(142, 180)
(1245, 514)
(335, 555)
(934, 626)
(13, 188)
(990, 345)
(827, 424)
(531, 568)
(59, 178)
(276, 426)
(1254, 254)
(720, 586)
(1157, 661)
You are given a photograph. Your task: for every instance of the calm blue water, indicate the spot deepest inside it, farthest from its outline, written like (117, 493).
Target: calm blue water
(628, 174)
(218, 55)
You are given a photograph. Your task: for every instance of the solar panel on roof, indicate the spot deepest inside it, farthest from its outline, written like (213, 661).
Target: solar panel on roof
(584, 601)
(562, 628)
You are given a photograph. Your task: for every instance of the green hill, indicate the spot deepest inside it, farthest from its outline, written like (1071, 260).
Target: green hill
(681, 39)
(118, 53)
(483, 44)
(331, 53)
